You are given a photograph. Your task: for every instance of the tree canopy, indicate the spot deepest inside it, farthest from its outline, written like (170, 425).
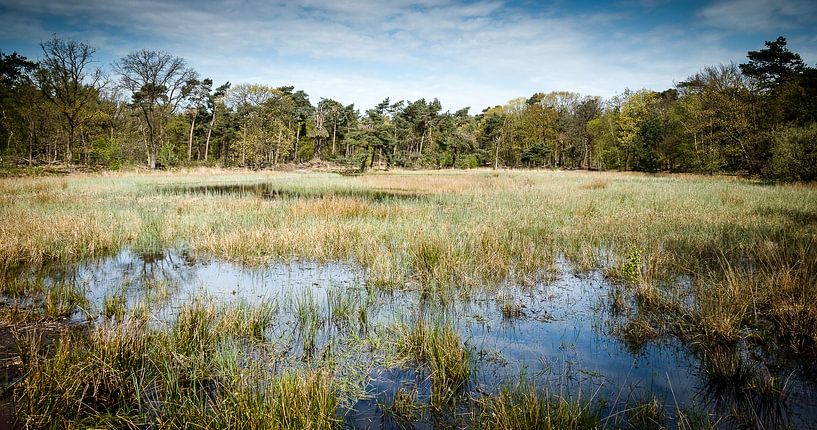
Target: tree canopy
(756, 118)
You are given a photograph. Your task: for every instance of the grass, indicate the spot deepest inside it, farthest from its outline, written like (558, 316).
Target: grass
(648, 413)
(35, 299)
(508, 306)
(114, 306)
(63, 299)
(712, 261)
(310, 318)
(341, 304)
(404, 406)
(196, 370)
(470, 227)
(523, 407)
(438, 348)
(596, 184)
(751, 396)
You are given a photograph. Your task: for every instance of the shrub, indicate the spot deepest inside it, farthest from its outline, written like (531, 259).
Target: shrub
(794, 154)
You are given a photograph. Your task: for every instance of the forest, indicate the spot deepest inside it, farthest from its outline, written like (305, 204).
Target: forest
(150, 108)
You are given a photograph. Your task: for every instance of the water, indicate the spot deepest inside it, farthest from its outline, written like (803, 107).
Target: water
(560, 338)
(272, 191)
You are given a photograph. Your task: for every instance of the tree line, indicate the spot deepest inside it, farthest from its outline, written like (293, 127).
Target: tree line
(150, 107)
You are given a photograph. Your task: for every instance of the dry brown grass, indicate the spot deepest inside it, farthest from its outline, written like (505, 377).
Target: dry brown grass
(596, 184)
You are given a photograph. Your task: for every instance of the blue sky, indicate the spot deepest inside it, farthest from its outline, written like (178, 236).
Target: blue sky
(466, 53)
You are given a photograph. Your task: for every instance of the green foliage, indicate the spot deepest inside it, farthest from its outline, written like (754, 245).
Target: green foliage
(168, 155)
(469, 161)
(631, 268)
(306, 150)
(445, 159)
(771, 66)
(108, 152)
(725, 118)
(794, 154)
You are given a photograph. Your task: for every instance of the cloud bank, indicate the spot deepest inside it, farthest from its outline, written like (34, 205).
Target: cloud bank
(474, 54)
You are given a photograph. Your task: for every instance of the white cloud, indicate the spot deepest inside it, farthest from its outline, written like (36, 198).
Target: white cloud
(477, 54)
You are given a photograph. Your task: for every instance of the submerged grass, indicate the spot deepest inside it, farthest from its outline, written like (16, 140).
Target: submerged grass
(404, 405)
(33, 299)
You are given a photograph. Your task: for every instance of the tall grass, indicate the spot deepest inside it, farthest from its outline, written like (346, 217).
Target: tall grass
(523, 407)
(470, 228)
(437, 347)
(196, 370)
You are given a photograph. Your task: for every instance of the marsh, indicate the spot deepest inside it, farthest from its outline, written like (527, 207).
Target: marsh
(444, 299)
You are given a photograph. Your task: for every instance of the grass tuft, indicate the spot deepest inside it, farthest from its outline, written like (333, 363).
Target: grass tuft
(438, 347)
(524, 407)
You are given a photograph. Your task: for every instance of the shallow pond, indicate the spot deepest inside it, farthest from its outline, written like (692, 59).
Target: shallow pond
(274, 191)
(558, 334)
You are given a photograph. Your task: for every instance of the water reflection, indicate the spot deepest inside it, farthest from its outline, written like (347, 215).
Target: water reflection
(274, 191)
(560, 339)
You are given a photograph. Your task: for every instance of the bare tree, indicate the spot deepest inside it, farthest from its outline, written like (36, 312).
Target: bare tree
(67, 80)
(158, 83)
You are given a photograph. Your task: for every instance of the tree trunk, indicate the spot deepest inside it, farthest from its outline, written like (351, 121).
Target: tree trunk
(209, 132)
(8, 127)
(152, 147)
(244, 149)
(152, 155)
(31, 139)
(86, 149)
(363, 164)
(297, 139)
(68, 154)
(347, 141)
(190, 138)
(334, 136)
(153, 152)
(280, 143)
(496, 153)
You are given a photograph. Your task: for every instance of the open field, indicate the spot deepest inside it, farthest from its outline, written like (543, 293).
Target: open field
(450, 298)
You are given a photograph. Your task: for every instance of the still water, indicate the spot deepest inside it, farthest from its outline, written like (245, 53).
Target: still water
(561, 335)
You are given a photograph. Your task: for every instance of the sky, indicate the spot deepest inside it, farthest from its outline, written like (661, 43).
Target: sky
(465, 53)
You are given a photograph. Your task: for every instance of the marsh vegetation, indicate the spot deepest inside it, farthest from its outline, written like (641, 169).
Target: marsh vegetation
(446, 299)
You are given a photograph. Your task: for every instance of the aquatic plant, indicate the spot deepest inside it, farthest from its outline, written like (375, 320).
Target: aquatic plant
(523, 407)
(437, 346)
